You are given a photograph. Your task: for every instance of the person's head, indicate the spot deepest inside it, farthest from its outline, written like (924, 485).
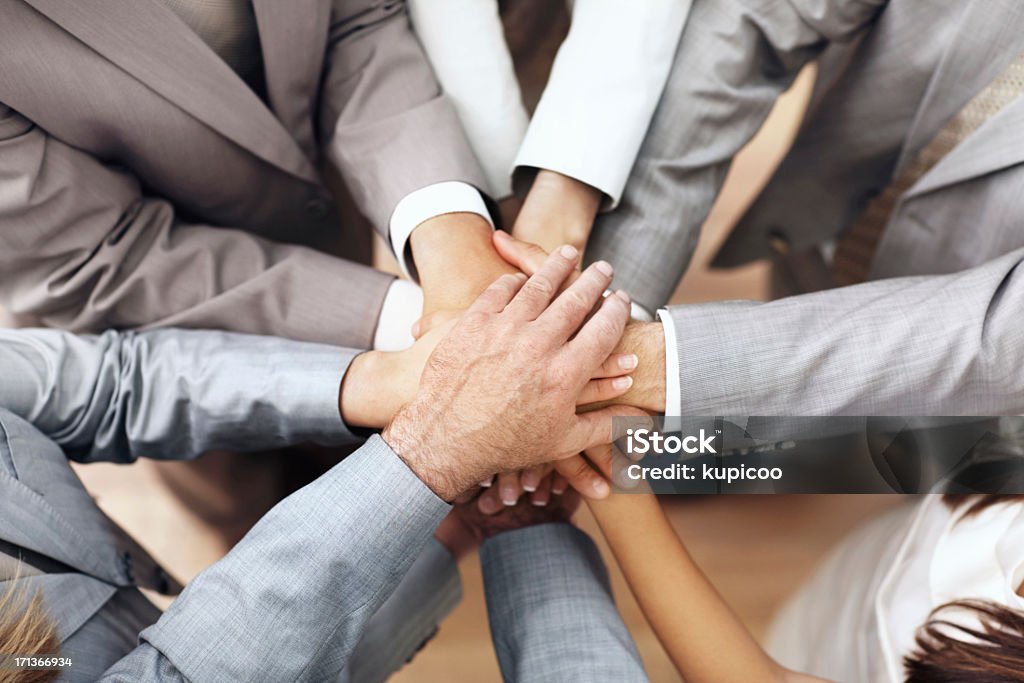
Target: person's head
(26, 629)
(948, 651)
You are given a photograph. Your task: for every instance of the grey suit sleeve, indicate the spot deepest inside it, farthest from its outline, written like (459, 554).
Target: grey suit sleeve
(172, 393)
(391, 129)
(735, 58)
(551, 610)
(932, 345)
(408, 619)
(81, 248)
(292, 599)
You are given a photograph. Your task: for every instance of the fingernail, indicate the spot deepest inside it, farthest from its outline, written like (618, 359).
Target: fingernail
(538, 503)
(622, 383)
(488, 506)
(558, 490)
(568, 251)
(600, 487)
(629, 362)
(486, 483)
(604, 267)
(509, 498)
(529, 486)
(622, 295)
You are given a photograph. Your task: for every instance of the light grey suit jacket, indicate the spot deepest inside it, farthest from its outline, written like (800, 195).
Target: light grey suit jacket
(167, 394)
(936, 332)
(143, 183)
(551, 610)
(341, 581)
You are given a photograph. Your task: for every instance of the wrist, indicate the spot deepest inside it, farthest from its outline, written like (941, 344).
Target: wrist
(439, 242)
(558, 210)
(414, 440)
(366, 399)
(647, 341)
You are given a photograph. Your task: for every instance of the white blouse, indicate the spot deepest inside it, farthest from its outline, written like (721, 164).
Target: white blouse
(604, 86)
(857, 618)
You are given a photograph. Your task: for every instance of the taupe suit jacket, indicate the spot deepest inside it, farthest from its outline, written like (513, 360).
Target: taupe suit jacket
(937, 331)
(143, 183)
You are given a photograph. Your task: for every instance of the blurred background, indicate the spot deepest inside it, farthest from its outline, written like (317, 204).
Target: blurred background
(755, 549)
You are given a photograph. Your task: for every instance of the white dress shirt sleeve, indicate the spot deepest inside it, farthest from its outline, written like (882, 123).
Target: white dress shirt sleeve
(403, 306)
(426, 203)
(465, 43)
(604, 87)
(673, 389)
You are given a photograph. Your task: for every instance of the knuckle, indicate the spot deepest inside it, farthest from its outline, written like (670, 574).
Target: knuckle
(541, 286)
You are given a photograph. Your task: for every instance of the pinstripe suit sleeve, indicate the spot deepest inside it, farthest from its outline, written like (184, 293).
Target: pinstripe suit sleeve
(293, 598)
(551, 609)
(930, 345)
(734, 59)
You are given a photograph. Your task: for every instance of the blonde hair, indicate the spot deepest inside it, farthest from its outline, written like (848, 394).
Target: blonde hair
(26, 629)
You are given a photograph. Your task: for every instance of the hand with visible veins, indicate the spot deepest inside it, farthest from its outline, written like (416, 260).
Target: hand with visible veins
(500, 391)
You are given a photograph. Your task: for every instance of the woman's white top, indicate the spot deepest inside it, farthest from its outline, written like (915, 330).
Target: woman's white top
(857, 617)
(604, 86)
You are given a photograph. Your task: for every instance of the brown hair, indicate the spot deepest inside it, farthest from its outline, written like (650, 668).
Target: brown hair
(948, 652)
(26, 629)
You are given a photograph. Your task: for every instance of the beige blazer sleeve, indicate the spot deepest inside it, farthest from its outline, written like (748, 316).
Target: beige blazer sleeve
(82, 249)
(390, 128)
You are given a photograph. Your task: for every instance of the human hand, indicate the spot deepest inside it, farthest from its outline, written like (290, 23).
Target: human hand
(644, 340)
(558, 210)
(455, 261)
(483, 525)
(378, 383)
(500, 391)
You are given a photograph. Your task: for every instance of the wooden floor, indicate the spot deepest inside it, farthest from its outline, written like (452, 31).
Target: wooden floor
(756, 549)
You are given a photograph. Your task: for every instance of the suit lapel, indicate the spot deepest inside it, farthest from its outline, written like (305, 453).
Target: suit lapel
(293, 36)
(991, 36)
(149, 42)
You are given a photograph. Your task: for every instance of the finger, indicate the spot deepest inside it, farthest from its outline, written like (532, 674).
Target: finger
(584, 478)
(497, 296)
(525, 256)
(598, 390)
(596, 427)
(542, 496)
(486, 483)
(601, 334)
(540, 289)
(489, 503)
(618, 364)
(509, 488)
(600, 458)
(572, 306)
(466, 496)
(558, 483)
(530, 478)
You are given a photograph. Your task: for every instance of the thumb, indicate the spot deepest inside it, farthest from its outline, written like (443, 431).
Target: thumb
(525, 256)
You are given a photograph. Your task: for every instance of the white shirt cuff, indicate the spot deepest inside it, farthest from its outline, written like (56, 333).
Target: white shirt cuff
(403, 306)
(673, 394)
(426, 203)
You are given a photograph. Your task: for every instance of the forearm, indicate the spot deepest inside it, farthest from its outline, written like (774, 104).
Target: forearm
(294, 597)
(705, 639)
(933, 345)
(172, 393)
